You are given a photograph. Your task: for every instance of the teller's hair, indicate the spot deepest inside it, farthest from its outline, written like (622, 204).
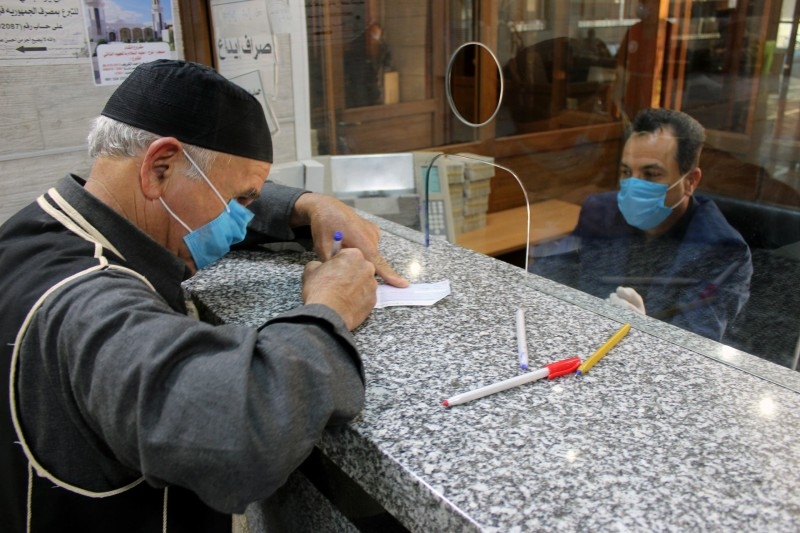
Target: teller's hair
(688, 132)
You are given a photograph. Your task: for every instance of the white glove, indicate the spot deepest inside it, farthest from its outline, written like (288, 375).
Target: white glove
(627, 298)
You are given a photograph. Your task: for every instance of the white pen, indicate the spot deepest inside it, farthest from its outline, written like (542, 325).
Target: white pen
(522, 343)
(553, 370)
(337, 242)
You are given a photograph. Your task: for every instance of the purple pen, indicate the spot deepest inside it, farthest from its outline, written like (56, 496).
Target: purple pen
(337, 242)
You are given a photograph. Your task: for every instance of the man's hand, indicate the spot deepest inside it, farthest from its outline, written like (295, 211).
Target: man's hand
(346, 284)
(327, 215)
(628, 298)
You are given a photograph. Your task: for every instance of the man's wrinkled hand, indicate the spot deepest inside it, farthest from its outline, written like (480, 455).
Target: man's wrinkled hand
(327, 215)
(346, 283)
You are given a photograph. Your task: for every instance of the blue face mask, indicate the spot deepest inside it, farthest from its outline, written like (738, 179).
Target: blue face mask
(214, 239)
(641, 202)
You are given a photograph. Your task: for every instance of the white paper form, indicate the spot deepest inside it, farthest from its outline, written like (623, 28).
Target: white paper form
(414, 294)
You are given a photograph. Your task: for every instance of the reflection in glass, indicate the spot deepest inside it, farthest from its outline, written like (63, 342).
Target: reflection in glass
(717, 63)
(559, 68)
(370, 76)
(559, 76)
(368, 58)
(574, 75)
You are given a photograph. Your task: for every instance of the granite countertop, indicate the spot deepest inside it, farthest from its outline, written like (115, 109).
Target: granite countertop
(669, 432)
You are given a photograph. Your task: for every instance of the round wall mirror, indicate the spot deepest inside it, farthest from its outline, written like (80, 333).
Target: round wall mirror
(474, 84)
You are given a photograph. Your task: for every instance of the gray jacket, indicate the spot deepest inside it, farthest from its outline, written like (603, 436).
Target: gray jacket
(115, 383)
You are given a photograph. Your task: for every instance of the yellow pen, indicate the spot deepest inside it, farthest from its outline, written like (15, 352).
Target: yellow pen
(603, 350)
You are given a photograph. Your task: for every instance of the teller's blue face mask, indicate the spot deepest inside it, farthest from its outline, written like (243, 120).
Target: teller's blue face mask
(642, 202)
(214, 239)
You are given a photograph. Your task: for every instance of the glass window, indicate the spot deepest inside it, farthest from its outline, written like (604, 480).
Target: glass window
(370, 72)
(559, 64)
(574, 77)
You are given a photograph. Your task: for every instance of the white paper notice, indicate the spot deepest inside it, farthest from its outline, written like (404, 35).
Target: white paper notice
(414, 294)
(115, 61)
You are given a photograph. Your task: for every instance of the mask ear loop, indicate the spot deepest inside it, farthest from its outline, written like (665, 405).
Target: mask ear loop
(176, 217)
(675, 185)
(221, 199)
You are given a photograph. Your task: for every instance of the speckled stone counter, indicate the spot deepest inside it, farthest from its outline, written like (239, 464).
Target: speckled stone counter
(669, 432)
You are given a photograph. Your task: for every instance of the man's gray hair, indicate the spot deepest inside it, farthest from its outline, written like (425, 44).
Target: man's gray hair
(111, 138)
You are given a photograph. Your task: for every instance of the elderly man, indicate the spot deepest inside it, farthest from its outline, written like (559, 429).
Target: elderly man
(126, 414)
(653, 246)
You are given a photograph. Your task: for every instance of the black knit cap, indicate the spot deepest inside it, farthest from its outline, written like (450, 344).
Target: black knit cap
(194, 104)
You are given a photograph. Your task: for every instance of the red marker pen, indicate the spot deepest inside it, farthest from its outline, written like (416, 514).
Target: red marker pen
(553, 370)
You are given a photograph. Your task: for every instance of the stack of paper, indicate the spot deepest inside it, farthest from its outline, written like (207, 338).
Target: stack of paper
(477, 187)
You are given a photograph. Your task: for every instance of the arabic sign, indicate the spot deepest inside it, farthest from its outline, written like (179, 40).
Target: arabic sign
(117, 60)
(245, 50)
(42, 29)
(242, 48)
(243, 34)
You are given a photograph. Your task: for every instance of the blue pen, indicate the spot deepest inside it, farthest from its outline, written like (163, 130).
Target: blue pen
(522, 343)
(337, 242)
